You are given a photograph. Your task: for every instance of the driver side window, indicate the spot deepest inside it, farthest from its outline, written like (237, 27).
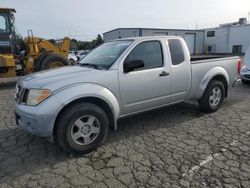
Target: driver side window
(149, 52)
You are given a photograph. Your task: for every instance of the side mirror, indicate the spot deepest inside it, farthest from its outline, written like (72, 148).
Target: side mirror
(129, 66)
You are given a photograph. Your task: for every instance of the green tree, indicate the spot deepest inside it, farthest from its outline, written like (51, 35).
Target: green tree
(73, 44)
(99, 40)
(85, 45)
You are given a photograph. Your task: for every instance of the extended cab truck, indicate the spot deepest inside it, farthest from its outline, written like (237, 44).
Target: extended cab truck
(76, 105)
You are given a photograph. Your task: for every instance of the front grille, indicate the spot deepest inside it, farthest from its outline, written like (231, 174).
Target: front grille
(21, 94)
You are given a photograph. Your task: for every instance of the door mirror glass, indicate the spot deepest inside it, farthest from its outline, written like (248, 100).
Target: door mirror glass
(132, 65)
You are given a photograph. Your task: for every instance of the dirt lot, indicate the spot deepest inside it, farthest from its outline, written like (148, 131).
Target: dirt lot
(172, 147)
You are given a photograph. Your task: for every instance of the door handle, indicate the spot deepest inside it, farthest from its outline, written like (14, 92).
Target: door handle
(164, 74)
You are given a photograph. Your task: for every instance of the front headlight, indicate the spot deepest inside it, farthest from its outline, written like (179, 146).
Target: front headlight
(36, 96)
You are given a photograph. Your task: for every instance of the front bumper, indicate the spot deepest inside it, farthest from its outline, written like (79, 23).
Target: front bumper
(38, 120)
(36, 125)
(245, 75)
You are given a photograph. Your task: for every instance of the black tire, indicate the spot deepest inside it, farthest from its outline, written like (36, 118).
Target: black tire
(245, 82)
(72, 61)
(67, 121)
(204, 101)
(53, 59)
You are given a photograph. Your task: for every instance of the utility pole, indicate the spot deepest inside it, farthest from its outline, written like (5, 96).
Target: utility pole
(69, 33)
(248, 17)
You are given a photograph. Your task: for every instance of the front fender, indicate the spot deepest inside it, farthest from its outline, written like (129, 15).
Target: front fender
(216, 71)
(71, 93)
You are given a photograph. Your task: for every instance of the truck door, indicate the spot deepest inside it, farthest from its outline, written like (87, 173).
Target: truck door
(148, 86)
(180, 69)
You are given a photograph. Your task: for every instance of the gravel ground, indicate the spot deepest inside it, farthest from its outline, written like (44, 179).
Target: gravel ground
(172, 147)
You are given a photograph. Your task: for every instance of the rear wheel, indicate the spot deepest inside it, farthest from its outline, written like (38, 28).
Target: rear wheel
(82, 128)
(53, 61)
(213, 97)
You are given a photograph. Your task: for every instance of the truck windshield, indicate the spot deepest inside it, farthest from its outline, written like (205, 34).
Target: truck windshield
(104, 56)
(4, 24)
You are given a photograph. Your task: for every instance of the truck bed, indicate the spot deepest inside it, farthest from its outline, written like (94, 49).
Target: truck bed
(201, 68)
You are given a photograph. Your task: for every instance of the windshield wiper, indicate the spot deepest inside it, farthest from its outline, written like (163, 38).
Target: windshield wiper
(90, 65)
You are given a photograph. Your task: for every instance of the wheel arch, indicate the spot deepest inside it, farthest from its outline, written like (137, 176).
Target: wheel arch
(89, 99)
(223, 80)
(216, 73)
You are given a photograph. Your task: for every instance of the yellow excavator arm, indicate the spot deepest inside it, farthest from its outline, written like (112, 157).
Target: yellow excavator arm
(39, 50)
(20, 57)
(36, 44)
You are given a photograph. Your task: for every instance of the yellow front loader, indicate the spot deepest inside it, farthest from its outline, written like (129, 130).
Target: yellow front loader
(20, 56)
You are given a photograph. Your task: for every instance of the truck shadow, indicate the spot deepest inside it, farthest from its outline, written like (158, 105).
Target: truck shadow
(171, 117)
(164, 118)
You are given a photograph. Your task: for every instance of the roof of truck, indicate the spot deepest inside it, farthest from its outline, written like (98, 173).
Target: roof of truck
(7, 9)
(156, 29)
(149, 38)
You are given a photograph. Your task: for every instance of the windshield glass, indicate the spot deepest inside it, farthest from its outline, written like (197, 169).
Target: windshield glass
(105, 55)
(4, 24)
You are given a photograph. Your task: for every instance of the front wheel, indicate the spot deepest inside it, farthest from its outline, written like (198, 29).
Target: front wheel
(213, 97)
(82, 128)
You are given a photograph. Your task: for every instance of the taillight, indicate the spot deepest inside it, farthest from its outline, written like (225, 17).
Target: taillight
(239, 66)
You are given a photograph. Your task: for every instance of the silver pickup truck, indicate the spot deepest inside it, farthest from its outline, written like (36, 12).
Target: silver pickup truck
(76, 105)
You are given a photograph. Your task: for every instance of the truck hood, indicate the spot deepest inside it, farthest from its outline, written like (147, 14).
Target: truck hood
(58, 77)
(247, 58)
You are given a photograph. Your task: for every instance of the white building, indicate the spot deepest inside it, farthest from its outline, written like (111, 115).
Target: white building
(194, 38)
(227, 38)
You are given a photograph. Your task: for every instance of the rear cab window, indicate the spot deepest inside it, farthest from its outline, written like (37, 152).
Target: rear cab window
(176, 51)
(150, 52)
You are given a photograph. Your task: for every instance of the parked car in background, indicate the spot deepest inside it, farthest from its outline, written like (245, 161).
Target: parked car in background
(82, 54)
(245, 70)
(72, 58)
(76, 105)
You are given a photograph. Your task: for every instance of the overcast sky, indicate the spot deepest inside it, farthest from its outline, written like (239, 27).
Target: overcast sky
(84, 19)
